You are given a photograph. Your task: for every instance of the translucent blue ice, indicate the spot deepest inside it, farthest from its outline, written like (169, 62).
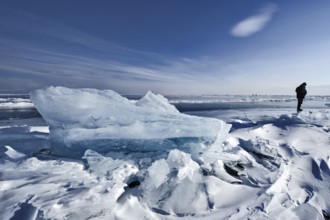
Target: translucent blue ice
(104, 121)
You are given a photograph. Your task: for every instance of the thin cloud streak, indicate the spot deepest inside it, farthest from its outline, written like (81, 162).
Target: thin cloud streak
(42, 63)
(76, 59)
(98, 63)
(36, 67)
(255, 23)
(21, 25)
(173, 76)
(48, 67)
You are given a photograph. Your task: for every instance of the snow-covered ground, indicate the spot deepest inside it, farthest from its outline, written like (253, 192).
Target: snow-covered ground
(272, 164)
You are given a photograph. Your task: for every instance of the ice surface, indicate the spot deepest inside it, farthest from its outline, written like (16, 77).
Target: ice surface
(178, 175)
(104, 121)
(41, 129)
(85, 193)
(12, 154)
(15, 103)
(321, 117)
(273, 165)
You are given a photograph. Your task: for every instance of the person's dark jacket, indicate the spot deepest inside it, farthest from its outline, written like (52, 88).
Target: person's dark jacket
(301, 91)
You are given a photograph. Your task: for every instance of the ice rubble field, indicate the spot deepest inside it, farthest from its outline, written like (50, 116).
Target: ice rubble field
(144, 160)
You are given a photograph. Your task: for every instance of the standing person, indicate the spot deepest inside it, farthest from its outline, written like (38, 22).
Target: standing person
(301, 93)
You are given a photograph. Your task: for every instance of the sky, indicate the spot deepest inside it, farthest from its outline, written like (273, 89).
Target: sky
(172, 47)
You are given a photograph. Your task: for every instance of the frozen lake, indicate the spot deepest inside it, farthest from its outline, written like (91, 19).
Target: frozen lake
(272, 164)
(15, 107)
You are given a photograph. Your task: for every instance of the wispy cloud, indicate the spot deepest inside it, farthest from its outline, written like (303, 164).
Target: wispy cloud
(255, 23)
(34, 66)
(78, 59)
(54, 54)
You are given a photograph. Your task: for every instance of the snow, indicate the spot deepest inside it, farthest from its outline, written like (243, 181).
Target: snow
(15, 103)
(41, 129)
(12, 154)
(270, 165)
(19, 105)
(104, 121)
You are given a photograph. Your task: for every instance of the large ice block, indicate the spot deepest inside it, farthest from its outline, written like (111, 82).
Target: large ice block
(103, 120)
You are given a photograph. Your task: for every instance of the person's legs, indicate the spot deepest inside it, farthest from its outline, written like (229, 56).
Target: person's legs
(300, 101)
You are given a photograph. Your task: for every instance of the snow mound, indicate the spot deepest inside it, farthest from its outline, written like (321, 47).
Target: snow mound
(104, 121)
(84, 193)
(321, 117)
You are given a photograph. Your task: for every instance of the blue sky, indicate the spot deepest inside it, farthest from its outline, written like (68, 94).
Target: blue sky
(170, 47)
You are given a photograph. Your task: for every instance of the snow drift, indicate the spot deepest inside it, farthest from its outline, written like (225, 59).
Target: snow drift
(104, 121)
